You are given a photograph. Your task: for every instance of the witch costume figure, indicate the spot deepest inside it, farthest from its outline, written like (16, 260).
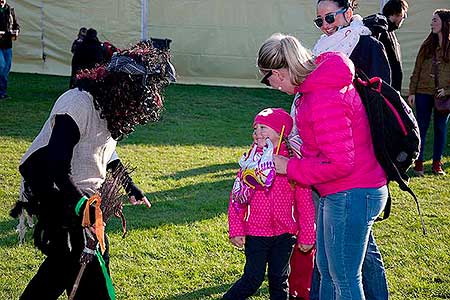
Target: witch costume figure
(67, 163)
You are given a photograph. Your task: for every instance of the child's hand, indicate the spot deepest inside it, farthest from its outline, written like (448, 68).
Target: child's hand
(304, 247)
(238, 241)
(280, 164)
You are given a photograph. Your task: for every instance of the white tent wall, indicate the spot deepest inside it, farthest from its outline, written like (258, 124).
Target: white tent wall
(214, 41)
(48, 28)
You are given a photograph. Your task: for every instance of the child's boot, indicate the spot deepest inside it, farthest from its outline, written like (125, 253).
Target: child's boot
(437, 168)
(418, 168)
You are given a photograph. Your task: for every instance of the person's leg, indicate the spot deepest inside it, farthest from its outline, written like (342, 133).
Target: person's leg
(424, 107)
(315, 282)
(48, 283)
(256, 252)
(92, 284)
(440, 135)
(3, 73)
(326, 286)
(373, 273)
(278, 266)
(347, 220)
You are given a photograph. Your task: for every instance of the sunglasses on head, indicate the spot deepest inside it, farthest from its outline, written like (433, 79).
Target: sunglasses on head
(265, 79)
(329, 18)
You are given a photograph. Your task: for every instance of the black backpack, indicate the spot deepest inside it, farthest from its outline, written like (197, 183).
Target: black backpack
(394, 131)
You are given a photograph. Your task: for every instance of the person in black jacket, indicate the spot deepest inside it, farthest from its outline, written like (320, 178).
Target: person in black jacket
(9, 30)
(67, 163)
(345, 32)
(395, 12)
(87, 54)
(80, 37)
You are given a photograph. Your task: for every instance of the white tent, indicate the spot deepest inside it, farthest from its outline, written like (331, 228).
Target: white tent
(214, 41)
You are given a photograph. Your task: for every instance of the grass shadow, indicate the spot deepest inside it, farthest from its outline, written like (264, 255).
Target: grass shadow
(194, 115)
(177, 206)
(202, 170)
(200, 293)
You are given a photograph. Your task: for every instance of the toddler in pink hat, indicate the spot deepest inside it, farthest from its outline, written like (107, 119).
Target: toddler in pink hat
(265, 212)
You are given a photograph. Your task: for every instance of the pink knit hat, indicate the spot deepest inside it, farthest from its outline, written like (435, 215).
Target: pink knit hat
(275, 118)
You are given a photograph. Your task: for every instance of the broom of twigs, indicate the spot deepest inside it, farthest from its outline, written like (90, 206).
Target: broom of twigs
(111, 194)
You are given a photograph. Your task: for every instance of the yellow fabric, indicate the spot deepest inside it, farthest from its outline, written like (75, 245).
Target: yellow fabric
(214, 41)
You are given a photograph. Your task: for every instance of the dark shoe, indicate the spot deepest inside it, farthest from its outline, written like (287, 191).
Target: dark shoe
(418, 168)
(437, 168)
(4, 97)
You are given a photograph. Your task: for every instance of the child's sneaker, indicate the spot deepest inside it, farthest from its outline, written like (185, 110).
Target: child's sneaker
(437, 168)
(418, 168)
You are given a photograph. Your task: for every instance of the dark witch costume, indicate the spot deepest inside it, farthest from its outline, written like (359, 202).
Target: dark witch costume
(68, 161)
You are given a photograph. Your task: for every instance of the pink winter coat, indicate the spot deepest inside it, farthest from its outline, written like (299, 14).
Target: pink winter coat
(279, 210)
(332, 122)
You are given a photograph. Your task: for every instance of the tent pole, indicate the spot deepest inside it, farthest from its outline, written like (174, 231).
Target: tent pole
(144, 20)
(44, 55)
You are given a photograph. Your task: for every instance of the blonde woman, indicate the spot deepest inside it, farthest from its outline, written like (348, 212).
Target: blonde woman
(338, 157)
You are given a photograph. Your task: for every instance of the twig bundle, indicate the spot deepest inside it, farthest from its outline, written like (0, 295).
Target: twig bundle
(111, 193)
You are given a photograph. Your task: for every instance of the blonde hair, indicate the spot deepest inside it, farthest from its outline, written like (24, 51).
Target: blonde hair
(285, 51)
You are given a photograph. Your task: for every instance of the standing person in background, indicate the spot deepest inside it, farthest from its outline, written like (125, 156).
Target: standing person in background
(88, 54)
(9, 31)
(338, 157)
(264, 221)
(345, 32)
(422, 88)
(80, 37)
(395, 12)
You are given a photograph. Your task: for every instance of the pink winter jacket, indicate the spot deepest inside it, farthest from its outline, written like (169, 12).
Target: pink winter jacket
(279, 210)
(331, 120)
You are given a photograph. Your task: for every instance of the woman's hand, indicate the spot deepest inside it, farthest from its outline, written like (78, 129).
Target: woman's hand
(280, 164)
(238, 241)
(411, 100)
(304, 247)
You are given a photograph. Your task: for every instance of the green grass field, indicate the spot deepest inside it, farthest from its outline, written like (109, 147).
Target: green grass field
(179, 249)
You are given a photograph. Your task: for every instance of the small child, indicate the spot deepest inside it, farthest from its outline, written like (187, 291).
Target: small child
(269, 218)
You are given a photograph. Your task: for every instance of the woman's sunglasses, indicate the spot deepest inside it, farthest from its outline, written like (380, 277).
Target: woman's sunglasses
(265, 79)
(329, 18)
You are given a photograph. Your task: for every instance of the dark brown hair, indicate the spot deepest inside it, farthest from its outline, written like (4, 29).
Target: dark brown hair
(395, 7)
(431, 43)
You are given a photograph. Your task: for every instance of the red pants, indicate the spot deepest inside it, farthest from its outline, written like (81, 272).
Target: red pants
(302, 265)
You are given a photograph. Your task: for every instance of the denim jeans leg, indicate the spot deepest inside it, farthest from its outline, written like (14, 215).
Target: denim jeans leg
(424, 107)
(440, 134)
(326, 287)
(256, 254)
(348, 217)
(373, 273)
(5, 67)
(278, 266)
(315, 283)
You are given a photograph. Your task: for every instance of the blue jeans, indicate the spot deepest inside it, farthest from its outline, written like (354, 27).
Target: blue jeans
(5, 67)
(344, 224)
(275, 252)
(373, 275)
(424, 107)
(373, 272)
